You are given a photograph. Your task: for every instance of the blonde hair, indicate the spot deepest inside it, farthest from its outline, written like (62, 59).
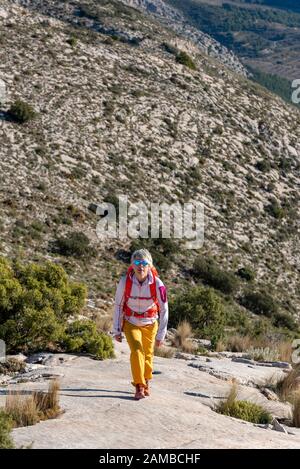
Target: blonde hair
(142, 254)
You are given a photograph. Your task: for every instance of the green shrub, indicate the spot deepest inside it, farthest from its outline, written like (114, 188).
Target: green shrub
(31, 329)
(184, 59)
(242, 409)
(259, 303)
(75, 244)
(208, 271)
(83, 336)
(282, 319)
(275, 209)
(35, 303)
(246, 273)
(72, 41)
(263, 165)
(258, 328)
(246, 411)
(203, 309)
(21, 111)
(6, 424)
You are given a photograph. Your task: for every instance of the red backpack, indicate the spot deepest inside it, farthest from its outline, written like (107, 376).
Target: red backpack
(150, 313)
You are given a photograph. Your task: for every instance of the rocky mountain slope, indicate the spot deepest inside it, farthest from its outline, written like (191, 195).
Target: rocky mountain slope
(175, 20)
(118, 114)
(263, 35)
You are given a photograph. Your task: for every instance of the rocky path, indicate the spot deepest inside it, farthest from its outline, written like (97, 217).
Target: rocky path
(100, 411)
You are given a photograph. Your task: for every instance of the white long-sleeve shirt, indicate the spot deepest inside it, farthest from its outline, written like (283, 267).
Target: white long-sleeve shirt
(138, 302)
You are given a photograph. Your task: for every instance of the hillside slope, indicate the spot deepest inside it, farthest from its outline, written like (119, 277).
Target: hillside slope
(117, 114)
(98, 404)
(264, 35)
(176, 20)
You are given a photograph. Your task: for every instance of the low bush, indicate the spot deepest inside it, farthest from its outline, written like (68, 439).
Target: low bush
(282, 319)
(203, 309)
(11, 365)
(263, 354)
(6, 425)
(237, 343)
(246, 273)
(37, 303)
(21, 112)
(164, 352)
(263, 165)
(183, 336)
(82, 336)
(259, 303)
(208, 271)
(75, 244)
(275, 209)
(243, 410)
(184, 59)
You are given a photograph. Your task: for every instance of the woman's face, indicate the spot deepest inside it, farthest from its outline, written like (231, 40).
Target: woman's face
(140, 270)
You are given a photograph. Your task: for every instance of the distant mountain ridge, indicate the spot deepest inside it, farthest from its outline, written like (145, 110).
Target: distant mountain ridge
(292, 5)
(173, 18)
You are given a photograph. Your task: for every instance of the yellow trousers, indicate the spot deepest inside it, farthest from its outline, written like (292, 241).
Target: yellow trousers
(141, 340)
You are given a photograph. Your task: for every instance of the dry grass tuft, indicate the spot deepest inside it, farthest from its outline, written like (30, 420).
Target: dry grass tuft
(30, 409)
(103, 323)
(296, 410)
(48, 403)
(290, 384)
(164, 352)
(22, 409)
(285, 351)
(182, 338)
(238, 343)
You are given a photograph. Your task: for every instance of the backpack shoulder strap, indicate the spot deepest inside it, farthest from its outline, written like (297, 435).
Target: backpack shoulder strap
(128, 283)
(153, 285)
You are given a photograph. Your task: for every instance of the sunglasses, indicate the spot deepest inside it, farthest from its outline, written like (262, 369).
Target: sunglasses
(141, 262)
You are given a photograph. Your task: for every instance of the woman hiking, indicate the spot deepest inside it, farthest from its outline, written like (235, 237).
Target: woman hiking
(141, 299)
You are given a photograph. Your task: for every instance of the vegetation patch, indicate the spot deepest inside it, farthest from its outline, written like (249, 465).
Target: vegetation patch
(21, 112)
(38, 303)
(243, 410)
(6, 425)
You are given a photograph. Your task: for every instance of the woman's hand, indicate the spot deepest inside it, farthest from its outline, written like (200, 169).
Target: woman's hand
(118, 337)
(158, 343)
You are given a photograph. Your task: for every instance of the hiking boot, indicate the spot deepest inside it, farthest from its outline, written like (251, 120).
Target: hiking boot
(139, 392)
(147, 388)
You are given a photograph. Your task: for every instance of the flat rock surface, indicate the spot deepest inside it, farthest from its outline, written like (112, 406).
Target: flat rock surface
(247, 372)
(100, 412)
